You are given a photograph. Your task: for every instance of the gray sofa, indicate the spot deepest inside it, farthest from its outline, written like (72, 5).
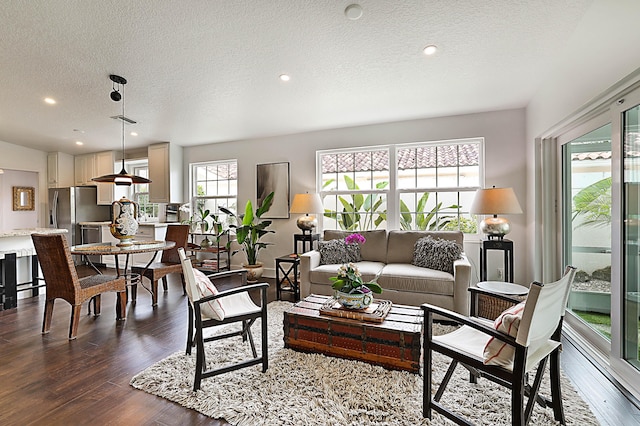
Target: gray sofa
(388, 255)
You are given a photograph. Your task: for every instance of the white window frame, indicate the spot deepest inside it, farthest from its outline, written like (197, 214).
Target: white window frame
(138, 168)
(194, 185)
(373, 191)
(392, 191)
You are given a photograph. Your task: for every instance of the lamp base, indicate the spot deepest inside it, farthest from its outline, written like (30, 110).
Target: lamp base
(307, 223)
(495, 227)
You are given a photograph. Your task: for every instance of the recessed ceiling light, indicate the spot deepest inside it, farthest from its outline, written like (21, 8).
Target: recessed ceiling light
(133, 134)
(50, 101)
(79, 143)
(353, 12)
(430, 49)
(285, 77)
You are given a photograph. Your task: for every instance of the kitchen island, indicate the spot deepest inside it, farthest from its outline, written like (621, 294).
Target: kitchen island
(19, 269)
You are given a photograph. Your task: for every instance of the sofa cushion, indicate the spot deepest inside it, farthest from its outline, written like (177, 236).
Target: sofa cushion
(401, 244)
(374, 249)
(337, 251)
(436, 254)
(410, 278)
(322, 273)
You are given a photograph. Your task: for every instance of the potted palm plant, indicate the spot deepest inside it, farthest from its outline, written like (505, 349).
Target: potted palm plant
(249, 232)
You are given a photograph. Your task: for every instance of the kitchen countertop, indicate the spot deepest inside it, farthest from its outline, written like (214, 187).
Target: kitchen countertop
(107, 223)
(28, 231)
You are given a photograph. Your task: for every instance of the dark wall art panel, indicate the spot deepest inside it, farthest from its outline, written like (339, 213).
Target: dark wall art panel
(274, 177)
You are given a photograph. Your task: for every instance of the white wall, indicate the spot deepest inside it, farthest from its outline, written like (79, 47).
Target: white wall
(10, 219)
(19, 158)
(602, 52)
(504, 133)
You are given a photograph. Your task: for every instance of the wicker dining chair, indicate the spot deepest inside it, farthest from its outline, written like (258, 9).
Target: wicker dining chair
(62, 282)
(514, 354)
(169, 263)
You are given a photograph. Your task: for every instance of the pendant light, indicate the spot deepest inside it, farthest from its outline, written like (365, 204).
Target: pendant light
(122, 178)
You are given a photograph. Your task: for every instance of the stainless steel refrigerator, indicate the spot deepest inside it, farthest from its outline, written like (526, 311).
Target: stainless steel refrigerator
(70, 206)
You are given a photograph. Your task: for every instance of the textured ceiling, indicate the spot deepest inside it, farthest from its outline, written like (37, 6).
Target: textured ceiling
(203, 71)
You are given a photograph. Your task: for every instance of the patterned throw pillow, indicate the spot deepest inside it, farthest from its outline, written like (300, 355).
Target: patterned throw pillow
(497, 352)
(436, 253)
(337, 252)
(212, 309)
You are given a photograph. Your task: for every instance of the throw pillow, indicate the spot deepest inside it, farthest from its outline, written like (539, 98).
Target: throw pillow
(497, 352)
(337, 251)
(436, 253)
(213, 308)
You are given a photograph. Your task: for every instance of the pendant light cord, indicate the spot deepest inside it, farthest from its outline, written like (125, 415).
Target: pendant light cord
(122, 119)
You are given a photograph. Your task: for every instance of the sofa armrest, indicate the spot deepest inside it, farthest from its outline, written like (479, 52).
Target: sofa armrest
(308, 261)
(462, 282)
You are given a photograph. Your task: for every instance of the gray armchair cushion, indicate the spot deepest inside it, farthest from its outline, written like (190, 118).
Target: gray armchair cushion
(436, 254)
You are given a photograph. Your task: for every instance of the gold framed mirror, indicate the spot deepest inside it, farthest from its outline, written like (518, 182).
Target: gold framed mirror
(24, 198)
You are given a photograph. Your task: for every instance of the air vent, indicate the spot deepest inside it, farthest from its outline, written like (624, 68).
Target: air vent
(123, 118)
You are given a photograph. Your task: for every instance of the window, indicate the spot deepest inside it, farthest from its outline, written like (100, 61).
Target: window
(215, 185)
(436, 185)
(146, 210)
(355, 188)
(409, 186)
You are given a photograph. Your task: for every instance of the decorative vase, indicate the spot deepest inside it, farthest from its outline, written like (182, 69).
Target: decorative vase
(353, 301)
(254, 272)
(124, 224)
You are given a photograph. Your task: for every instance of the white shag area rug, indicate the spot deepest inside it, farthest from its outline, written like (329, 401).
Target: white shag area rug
(314, 389)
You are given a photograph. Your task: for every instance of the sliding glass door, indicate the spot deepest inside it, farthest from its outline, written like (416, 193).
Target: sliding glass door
(586, 192)
(631, 234)
(599, 194)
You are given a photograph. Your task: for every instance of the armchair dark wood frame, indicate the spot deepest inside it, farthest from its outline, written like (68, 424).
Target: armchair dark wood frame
(196, 337)
(516, 380)
(62, 282)
(169, 263)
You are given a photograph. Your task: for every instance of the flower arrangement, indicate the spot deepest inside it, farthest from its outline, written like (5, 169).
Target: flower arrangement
(350, 291)
(355, 239)
(349, 280)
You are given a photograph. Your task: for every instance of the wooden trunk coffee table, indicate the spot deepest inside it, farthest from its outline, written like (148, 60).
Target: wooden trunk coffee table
(393, 343)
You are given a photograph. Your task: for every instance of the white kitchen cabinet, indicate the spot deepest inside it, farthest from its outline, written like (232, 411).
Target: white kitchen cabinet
(85, 169)
(60, 168)
(165, 172)
(104, 165)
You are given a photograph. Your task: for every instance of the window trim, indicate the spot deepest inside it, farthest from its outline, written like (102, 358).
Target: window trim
(193, 184)
(393, 192)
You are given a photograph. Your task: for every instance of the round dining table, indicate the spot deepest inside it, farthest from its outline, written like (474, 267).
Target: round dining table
(103, 249)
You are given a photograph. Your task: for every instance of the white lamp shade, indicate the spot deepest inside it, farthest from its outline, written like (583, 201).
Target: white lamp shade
(306, 203)
(495, 201)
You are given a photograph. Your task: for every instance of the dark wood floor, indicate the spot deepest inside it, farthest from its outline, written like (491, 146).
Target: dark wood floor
(46, 379)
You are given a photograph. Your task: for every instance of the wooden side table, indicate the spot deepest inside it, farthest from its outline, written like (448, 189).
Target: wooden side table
(507, 247)
(287, 276)
(304, 239)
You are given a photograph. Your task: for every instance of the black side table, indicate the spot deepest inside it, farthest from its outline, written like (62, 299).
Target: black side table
(287, 276)
(507, 247)
(304, 239)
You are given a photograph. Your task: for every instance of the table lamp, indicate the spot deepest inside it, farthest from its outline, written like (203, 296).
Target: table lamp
(307, 204)
(495, 201)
